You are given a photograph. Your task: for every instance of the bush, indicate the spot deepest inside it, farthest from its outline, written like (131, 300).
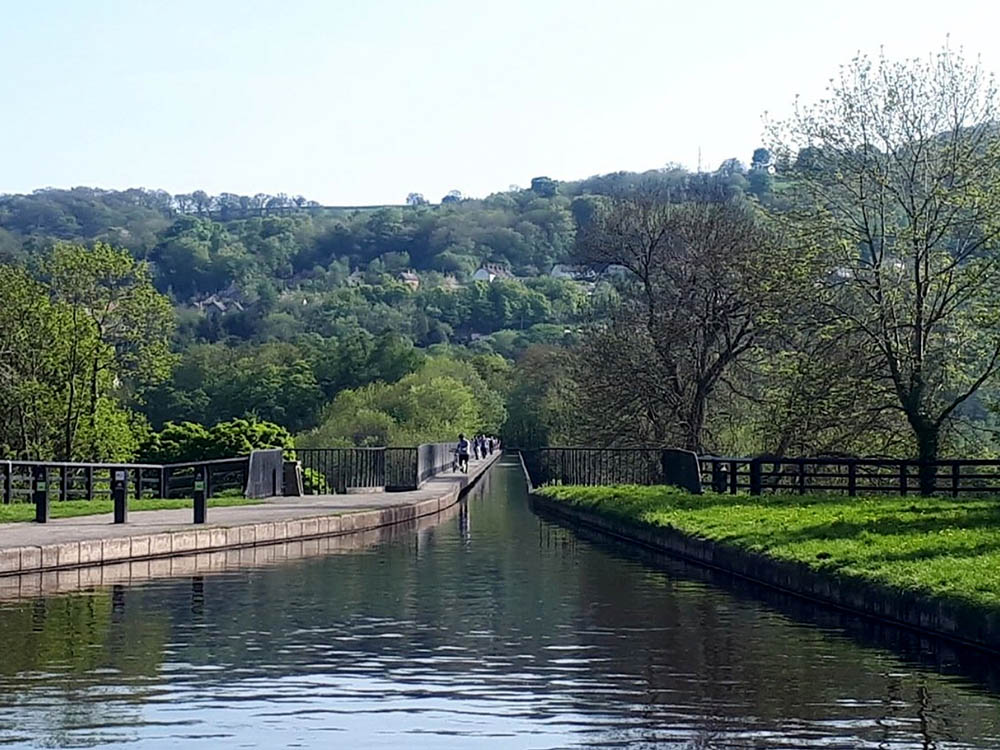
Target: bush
(190, 441)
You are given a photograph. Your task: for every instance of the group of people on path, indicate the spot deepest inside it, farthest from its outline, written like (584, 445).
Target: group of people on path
(480, 446)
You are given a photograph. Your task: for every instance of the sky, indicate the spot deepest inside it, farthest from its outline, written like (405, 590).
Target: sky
(363, 102)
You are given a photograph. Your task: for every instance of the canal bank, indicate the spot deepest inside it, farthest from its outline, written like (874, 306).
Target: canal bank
(957, 621)
(492, 628)
(88, 541)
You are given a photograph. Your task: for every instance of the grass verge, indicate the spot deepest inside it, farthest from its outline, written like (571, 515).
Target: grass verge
(931, 546)
(72, 508)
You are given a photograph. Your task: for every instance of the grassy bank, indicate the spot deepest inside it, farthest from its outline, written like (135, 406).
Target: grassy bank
(71, 508)
(933, 546)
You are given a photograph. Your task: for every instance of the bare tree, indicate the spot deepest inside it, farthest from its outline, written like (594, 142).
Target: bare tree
(703, 280)
(900, 204)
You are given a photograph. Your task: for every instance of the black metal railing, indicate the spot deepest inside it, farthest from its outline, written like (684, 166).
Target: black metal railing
(92, 481)
(392, 469)
(853, 476)
(342, 469)
(594, 466)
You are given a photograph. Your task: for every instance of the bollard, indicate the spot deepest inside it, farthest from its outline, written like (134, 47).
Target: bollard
(119, 494)
(40, 491)
(199, 495)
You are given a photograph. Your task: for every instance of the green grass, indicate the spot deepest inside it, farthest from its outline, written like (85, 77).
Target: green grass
(72, 508)
(932, 546)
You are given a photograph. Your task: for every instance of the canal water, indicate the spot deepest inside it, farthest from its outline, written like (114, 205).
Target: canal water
(493, 628)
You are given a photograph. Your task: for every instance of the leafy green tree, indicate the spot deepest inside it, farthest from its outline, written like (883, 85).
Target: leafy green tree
(901, 207)
(108, 291)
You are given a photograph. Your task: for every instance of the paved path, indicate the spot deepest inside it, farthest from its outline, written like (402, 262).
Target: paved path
(89, 540)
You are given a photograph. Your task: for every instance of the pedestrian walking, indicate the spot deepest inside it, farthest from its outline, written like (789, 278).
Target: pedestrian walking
(462, 451)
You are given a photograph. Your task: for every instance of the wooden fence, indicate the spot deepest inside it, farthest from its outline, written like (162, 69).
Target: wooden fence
(853, 476)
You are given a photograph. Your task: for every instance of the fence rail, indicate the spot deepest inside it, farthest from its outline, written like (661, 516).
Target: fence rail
(93, 481)
(392, 469)
(853, 476)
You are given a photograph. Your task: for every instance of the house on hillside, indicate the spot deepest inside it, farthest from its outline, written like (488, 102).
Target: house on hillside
(410, 279)
(574, 273)
(490, 272)
(228, 300)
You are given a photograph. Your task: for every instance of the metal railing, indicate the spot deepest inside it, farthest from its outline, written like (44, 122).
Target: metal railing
(392, 469)
(594, 466)
(93, 481)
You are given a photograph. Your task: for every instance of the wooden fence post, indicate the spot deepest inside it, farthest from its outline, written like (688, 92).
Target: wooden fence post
(755, 483)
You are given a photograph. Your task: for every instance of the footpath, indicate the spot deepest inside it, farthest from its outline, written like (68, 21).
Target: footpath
(86, 541)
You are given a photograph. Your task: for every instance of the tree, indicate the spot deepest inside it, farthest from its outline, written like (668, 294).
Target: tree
(107, 290)
(705, 280)
(544, 186)
(453, 196)
(761, 158)
(901, 205)
(46, 387)
(416, 199)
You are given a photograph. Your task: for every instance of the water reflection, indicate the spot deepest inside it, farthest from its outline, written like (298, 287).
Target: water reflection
(493, 628)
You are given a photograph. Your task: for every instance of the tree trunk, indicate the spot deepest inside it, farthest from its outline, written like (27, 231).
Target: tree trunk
(695, 424)
(928, 435)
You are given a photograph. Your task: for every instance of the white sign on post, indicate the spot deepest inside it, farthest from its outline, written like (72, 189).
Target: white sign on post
(119, 476)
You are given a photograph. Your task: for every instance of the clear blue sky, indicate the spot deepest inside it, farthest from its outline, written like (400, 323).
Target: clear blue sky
(364, 101)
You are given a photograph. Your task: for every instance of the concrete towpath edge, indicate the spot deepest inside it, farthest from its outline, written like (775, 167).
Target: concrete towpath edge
(192, 540)
(954, 621)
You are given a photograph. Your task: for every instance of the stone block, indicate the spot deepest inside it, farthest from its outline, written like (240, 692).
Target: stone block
(50, 556)
(310, 527)
(140, 546)
(233, 537)
(116, 549)
(10, 560)
(218, 538)
(294, 529)
(160, 544)
(204, 539)
(680, 469)
(183, 541)
(31, 558)
(69, 554)
(263, 533)
(247, 535)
